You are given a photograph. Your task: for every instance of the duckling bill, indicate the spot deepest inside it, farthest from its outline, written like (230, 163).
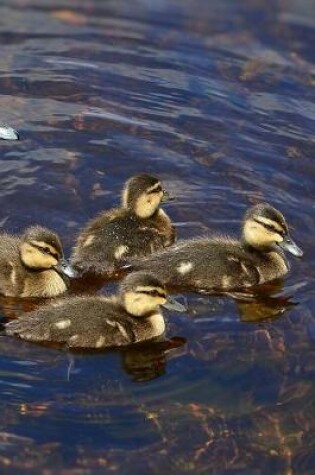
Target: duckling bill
(132, 316)
(223, 263)
(138, 228)
(33, 264)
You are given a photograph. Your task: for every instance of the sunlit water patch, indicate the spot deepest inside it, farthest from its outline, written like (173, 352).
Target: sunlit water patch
(219, 102)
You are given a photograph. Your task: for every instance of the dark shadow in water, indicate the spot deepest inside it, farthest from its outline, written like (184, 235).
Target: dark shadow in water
(143, 361)
(256, 304)
(148, 360)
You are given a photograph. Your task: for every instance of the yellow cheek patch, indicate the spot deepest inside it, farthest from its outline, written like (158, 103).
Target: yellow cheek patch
(33, 257)
(138, 304)
(161, 300)
(146, 205)
(277, 238)
(258, 236)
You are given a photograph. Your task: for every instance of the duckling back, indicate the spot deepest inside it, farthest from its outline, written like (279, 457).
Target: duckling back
(133, 315)
(213, 264)
(224, 264)
(138, 228)
(110, 239)
(83, 322)
(67, 322)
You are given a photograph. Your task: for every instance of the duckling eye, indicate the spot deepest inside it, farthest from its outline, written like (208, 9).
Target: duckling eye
(156, 190)
(269, 227)
(47, 250)
(272, 229)
(154, 293)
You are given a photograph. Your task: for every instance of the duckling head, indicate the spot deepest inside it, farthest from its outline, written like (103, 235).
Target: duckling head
(144, 194)
(141, 294)
(41, 249)
(265, 228)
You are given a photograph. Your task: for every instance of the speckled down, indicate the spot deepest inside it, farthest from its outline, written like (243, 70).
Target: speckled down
(83, 322)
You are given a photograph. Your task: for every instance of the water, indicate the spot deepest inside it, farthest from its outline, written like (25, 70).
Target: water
(216, 98)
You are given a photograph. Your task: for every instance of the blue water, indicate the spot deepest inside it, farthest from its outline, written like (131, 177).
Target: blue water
(216, 98)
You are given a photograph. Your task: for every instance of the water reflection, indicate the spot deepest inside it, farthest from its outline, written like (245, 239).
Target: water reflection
(218, 102)
(266, 303)
(254, 305)
(263, 308)
(148, 361)
(141, 362)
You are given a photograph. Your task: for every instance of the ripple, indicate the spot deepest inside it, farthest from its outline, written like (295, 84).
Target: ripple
(219, 103)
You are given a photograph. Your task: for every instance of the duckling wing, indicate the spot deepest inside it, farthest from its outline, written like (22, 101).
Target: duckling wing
(78, 323)
(112, 332)
(105, 248)
(162, 223)
(206, 264)
(241, 271)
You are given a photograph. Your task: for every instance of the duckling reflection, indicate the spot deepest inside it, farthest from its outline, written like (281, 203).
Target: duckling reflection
(33, 265)
(223, 263)
(100, 322)
(263, 308)
(147, 361)
(266, 302)
(138, 228)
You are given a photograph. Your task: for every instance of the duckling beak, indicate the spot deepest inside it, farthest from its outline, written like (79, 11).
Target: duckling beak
(172, 304)
(289, 245)
(63, 267)
(166, 197)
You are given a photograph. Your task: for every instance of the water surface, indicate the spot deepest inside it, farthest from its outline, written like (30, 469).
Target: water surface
(216, 98)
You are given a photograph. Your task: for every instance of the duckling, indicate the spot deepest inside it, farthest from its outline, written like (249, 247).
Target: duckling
(131, 316)
(32, 265)
(223, 263)
(138, 228)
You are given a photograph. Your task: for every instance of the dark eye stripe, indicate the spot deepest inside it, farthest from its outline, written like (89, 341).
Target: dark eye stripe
(156, 190)
(153, 293)
(46, 250)
(270, 228)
